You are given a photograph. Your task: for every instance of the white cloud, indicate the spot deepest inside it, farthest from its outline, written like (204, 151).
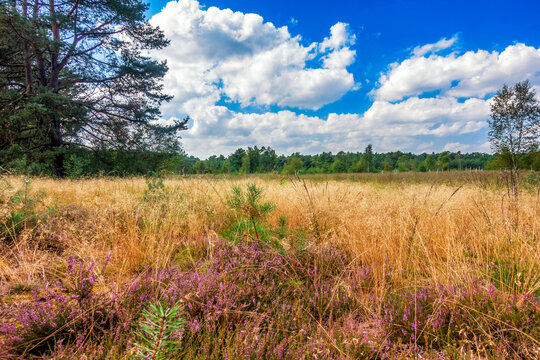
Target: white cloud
(217, 53)
(387, 126)
(436, 47)
(423, 115)
(457, 146)
(218, 57)
(472, 74)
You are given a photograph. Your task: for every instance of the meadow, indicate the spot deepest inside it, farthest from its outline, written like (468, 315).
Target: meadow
(442, 266)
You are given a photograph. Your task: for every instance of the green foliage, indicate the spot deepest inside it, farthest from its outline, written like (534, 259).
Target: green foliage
(155, 190)
(245, 169)
(338, 166)
(249, 205)
(292, 165)
(159, 333)
(515, 277)
(514, 129)
(501, 161)
(443, 161)
(242, 227)
(84, 162)
(403, 163)
(515, 122)
(282, 227)
(532, 180)
(22, 214)
(60, 56)
(199, 167)
(368, 159)
(429, 163)
(76, 166)
(387, 166)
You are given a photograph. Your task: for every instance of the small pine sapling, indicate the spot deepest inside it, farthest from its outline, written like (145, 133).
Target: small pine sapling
(249, 204)
(160, 332)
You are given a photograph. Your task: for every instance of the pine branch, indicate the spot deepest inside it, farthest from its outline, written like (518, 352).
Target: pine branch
(159, 333)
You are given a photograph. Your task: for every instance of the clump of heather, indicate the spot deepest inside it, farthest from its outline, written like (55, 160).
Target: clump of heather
(477, 317)
(60, 225)
(245, 301)
(253, 300)
(68, 312)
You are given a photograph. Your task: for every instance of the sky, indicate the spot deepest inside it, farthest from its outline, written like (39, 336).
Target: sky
(314, 76)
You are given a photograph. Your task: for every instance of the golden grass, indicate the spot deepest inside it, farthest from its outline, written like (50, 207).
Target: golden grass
(409, 233)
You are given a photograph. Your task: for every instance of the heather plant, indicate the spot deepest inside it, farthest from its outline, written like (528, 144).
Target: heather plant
(475, 317)
(286, 296)
(61, 224)
(245, 300)
(68, 312)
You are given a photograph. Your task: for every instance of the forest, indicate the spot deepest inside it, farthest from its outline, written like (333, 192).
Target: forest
(82, 162)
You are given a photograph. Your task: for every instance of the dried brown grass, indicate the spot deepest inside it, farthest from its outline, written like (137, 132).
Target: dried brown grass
(410, 233)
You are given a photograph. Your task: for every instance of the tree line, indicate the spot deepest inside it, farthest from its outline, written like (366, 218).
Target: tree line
(81, 162)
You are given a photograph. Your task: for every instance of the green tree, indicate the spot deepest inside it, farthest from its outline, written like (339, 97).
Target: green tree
(226, 167)
(293, 164)
(357, 167)
(267, 161)
(458, 159)
(338, 166)
(514, 127)
(430, 163)
(387, 166)
(246, 165)
(403, 163)
(199, 167)
(368, 158)
(75, 74)
(236, 159)
(443, 161)
(254, 155)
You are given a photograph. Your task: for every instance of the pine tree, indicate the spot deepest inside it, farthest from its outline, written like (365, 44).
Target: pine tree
(74, 74)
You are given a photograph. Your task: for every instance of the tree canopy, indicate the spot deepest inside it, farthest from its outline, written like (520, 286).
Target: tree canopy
(77, 73)
(515, 121)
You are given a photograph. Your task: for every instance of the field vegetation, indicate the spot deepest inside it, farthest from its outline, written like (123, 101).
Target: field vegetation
(270, 267)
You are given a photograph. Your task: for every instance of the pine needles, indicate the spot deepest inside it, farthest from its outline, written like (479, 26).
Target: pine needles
(159, 334)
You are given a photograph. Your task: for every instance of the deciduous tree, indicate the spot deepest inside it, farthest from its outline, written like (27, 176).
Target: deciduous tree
(514, 127)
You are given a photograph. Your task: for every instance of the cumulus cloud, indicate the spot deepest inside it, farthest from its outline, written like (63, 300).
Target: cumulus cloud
(217, 53)
(387, 126)
(228, 69)
(472, 74)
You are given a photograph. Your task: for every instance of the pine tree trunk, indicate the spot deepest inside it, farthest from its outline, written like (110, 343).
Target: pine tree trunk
(57, 144)
(55, 133)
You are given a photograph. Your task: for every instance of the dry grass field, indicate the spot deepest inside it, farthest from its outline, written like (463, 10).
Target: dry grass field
(336, 268)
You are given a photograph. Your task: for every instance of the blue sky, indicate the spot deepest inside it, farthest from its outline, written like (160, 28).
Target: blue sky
(315, 76)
